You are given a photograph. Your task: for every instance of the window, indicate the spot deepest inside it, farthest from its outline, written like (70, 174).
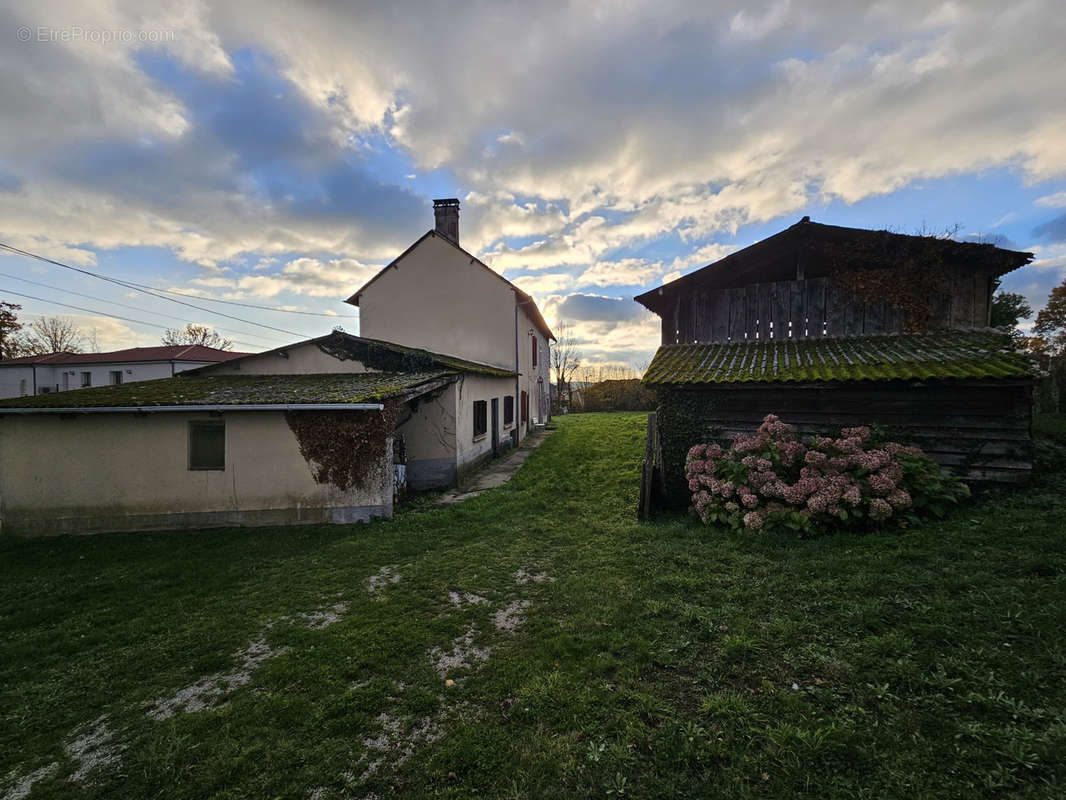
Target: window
(116, 377)
(481, 418)
(508, 410)
(534, 350)
(525, 407)
(207, 444)
(86, 379)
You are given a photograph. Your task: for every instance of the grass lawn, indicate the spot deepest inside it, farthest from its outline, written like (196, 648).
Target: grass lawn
(590, 655)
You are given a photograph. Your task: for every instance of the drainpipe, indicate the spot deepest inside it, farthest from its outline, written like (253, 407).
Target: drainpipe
(34, 368)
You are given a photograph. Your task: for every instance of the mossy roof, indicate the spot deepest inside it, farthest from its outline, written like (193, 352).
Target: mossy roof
(196, 390)
(918, 356)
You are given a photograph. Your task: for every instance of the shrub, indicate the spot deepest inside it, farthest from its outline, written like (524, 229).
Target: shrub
(772, 480)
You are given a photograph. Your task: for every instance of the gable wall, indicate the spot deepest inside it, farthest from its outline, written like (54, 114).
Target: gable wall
(437, 299)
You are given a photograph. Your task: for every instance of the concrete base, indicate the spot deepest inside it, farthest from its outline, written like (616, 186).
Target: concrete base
(59, 524)
(431, 473)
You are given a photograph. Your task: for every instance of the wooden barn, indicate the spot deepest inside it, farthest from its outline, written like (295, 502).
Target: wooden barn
(831, 327)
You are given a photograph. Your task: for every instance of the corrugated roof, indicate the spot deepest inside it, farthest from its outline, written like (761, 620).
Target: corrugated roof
(195, 390)
(181, 352)
(938, 354)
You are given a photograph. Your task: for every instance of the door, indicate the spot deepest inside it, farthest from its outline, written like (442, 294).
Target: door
(495, 427)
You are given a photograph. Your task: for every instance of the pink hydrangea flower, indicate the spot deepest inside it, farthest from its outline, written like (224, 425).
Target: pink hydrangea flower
(753, 521)
(880, 509)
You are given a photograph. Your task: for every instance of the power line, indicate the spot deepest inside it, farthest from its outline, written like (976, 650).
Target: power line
(146, 291)
(123, 305)
(146, 287)
(103, 313)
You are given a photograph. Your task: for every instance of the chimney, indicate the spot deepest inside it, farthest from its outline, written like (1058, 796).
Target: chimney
(446, 212)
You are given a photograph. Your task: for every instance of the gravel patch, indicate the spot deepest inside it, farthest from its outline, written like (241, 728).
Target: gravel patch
(21, 786)
(321, 618)
(508, 619)
(523, 577)
(209, 692)
(460, 599)
(462, 654)
(93, 749)
(381, 579)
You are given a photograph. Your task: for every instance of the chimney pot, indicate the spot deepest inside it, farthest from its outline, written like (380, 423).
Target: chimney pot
(446, 212)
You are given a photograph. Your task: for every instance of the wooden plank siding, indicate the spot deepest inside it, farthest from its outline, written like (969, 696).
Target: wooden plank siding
(978, 429)
(810, 307)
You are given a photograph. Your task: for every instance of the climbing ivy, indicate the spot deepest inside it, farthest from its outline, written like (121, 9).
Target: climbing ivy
(344, 448)
(682, 416)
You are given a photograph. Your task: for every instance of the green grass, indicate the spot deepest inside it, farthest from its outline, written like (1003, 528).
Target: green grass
(664, 659)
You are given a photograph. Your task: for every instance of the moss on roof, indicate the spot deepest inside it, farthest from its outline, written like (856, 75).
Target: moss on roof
(919, 356)
(392, 357)
(193, 390)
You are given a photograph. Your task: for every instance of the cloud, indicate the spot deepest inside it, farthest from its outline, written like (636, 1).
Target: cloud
(1057, 200)
(272, 130)
(596, 308)
(337, 278)
(1054, 229)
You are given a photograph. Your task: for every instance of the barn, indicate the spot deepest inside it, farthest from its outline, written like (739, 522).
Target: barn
(830, 327)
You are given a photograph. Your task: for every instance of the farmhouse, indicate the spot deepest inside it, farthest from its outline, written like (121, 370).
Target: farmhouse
(325, 430)
(439, 297)
(60, 372)
(829, 327)
(243, 445)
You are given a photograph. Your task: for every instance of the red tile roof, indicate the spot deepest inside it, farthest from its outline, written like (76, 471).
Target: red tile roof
(181, 352)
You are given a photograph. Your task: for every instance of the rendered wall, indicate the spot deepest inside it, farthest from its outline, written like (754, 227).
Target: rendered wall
(436, 298)
(430, 439)
(301, 359)
(103, 472)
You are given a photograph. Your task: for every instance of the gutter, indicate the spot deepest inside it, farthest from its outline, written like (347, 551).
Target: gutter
(213, 408)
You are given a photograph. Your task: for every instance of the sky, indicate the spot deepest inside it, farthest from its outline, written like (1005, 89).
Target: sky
(279, 154)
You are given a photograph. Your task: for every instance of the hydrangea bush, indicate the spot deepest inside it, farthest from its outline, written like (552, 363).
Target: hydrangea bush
(772, 480)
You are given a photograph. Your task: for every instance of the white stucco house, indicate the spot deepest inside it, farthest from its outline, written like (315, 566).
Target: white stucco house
(435, 295)
(450, 370)
(302, 434)
(61, 372)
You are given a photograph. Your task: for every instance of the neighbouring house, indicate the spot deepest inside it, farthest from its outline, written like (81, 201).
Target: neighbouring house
(240, 444)
(829, 327)
(437, 296)
(60, 372)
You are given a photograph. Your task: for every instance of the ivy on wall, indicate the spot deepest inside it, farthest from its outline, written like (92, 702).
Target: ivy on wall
(682, 415)
(344, 448)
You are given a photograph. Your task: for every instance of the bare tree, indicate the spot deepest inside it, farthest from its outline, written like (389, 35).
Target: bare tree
(54, 335)
(196, 334)
(565, 360)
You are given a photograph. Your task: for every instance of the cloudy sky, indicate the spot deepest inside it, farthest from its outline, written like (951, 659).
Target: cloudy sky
(278, 154)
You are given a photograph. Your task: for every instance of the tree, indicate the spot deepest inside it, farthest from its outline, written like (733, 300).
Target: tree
(196, 334)
(1050, 323)
(1007, 309)
(565, 361)
(54, 335)
(10, 342)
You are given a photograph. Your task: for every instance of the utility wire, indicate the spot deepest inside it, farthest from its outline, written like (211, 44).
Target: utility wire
(132, 284)
(129, 285)
(123, 305)
(103, 313)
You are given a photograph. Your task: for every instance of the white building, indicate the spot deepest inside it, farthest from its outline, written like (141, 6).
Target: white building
(439, 297)
(60, 372)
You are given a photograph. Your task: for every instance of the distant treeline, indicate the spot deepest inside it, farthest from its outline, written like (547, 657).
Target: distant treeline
(627, 394)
